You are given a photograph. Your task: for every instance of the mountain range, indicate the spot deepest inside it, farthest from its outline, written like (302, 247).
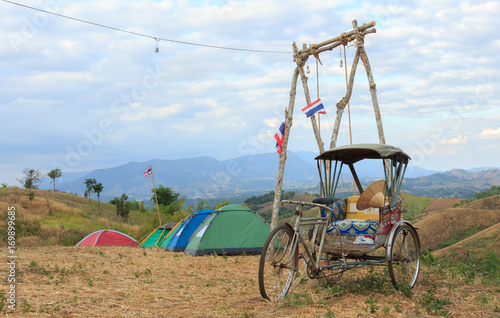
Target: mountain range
(207, 177)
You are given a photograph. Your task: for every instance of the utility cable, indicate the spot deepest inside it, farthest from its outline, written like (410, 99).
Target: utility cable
(145, 35)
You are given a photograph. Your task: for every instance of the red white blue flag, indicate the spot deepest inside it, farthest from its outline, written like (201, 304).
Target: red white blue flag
(279, 137)
(313, 108)
(148, 172)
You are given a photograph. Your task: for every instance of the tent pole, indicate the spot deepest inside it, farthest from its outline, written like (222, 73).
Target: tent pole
(156, 198)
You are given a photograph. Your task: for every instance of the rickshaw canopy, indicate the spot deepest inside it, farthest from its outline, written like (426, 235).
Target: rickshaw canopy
(350, 154)
(395, 161)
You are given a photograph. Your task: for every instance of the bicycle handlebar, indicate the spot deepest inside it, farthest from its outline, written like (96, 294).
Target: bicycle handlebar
(307, 203)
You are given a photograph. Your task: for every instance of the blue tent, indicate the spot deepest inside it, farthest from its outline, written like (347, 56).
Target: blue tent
(182, 236)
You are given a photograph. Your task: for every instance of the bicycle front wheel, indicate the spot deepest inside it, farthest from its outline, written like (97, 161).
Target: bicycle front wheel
(277, 264)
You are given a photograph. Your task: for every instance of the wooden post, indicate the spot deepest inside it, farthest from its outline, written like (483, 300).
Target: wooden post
(373, 89)
(303, 77)
(281, 169)
(156, 198)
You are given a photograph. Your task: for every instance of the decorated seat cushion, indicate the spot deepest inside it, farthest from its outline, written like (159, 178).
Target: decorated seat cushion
(356, 231)
(339, 210)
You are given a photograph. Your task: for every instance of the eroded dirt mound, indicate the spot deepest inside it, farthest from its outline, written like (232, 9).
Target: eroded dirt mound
(441, 204)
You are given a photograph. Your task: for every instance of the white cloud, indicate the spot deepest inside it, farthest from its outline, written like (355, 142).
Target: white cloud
(455, 141)
(434, 62)
(490, 133)
(162, 112)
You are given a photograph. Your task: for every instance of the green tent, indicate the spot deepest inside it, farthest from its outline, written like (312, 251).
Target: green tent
(170, 235)
(232, 229)
(157, 236)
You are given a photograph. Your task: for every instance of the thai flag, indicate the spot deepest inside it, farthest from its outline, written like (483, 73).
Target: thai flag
(279, 137)
(148, 172)
(313, 108)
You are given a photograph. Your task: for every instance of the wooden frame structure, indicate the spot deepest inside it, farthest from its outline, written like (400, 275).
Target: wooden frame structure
(357, 34)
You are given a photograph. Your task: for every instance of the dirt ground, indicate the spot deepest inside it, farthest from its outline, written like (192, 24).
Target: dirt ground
(134, 282)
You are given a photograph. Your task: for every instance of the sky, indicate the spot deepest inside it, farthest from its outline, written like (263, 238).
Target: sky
(79, 96)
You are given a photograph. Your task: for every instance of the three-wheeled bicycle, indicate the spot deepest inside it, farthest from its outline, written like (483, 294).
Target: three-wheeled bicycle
(346, 233)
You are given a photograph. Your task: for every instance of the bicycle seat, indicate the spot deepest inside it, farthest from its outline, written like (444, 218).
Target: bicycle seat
(323, 200)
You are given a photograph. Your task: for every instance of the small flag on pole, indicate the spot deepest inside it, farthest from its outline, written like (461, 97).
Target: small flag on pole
(313, 108)
(148, 172)
(279, 137)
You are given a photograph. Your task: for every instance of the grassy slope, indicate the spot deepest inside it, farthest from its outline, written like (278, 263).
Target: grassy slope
(453, 225)
(413, 205)
(479, 245)
(54, 218)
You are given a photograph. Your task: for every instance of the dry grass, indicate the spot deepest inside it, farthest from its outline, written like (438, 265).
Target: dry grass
(490, 203)
(133, 282)
(478, 244)
(451, 224)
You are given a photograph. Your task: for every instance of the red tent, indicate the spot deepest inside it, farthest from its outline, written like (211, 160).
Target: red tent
(107, 238)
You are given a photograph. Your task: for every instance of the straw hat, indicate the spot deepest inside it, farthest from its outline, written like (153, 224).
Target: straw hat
(372, 197)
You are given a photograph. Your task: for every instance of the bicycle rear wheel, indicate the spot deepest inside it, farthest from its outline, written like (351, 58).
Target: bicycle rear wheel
(277, 264)
(404, 265)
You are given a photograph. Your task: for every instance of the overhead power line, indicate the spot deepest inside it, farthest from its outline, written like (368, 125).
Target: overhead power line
(146, 35)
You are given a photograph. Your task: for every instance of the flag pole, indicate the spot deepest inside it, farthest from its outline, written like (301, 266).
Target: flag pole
(156, 198)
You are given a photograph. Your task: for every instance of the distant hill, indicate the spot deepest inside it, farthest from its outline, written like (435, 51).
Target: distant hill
(200, 177)
(208, 178)
(455, 183)
(371, 168)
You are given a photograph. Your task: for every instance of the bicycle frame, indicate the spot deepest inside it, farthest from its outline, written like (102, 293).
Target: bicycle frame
(300, 221)
(361, 259)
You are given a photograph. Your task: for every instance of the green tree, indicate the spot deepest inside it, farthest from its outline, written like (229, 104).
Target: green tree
(31, 178)
(165, 195)
(89, 183)
(200, 205)
(488, 193)
(122, 208)
(220, 205)
(97, 188)
(55, 174)
(30, 181)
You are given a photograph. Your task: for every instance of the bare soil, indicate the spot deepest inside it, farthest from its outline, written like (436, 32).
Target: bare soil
(441, 204)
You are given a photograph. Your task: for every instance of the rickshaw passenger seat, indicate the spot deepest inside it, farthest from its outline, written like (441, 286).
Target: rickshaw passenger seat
(323, 200)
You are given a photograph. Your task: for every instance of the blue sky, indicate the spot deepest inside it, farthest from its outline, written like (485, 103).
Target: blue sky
(79, 97)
